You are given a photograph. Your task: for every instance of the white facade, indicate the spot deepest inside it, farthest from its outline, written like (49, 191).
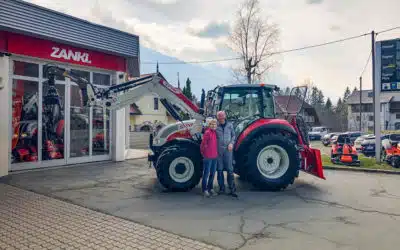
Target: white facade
(153, 113)
(389, 121)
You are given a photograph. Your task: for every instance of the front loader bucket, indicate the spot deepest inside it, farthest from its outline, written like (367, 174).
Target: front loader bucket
(313, 163)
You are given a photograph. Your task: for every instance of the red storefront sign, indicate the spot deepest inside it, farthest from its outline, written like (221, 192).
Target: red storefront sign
(40, 48)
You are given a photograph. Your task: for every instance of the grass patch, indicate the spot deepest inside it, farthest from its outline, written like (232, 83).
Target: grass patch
(365, 162)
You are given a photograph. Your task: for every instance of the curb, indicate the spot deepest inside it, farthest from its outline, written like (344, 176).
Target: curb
(366, 170)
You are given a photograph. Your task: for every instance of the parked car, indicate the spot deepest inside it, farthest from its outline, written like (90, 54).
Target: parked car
(334, 138)
(368, 146)
(326, 139)
(317, 133)
(353, 135)
(390, 140)
(360, 139)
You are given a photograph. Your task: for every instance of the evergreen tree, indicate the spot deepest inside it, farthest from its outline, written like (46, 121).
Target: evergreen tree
(346, 94)
(328, 104)
(320, 99)
(314, 96)
(187, 90)
(355, 89)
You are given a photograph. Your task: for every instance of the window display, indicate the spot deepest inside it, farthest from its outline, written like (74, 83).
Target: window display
(24, 121)
(31, 101)
(53, 122)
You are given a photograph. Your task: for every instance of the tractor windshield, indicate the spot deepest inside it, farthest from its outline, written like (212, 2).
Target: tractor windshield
(241, 103)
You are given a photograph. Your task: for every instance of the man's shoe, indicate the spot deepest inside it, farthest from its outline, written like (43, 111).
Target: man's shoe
(206, 194)
(213, 193)
(233, 194)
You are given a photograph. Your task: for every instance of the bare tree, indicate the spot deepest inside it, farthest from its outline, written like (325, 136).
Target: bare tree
(254, 38)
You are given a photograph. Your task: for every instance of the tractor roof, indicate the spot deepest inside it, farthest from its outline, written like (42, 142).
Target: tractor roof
(251, 86)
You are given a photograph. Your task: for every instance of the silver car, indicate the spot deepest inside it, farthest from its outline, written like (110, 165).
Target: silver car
(360, 139)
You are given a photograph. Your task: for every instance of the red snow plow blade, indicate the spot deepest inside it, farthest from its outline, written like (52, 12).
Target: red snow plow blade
(312, 162)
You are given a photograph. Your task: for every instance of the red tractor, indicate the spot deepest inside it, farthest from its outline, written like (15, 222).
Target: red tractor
(269, 152)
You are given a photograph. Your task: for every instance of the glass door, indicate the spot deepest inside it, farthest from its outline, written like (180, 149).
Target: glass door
(88, 128)
(79, 123)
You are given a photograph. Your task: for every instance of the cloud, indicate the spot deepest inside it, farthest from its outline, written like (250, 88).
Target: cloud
(314, 1)
(213, 30)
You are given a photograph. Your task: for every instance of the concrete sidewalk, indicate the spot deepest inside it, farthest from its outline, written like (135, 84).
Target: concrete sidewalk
(132, 154)
(32, 221)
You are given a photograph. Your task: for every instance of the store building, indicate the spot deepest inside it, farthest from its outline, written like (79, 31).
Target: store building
(36, 134)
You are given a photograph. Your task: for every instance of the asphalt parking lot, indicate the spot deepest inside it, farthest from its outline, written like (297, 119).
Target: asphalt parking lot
(347, 211)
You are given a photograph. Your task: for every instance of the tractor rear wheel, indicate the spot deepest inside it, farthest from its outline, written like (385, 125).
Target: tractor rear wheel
(179, 169)
(272, 162)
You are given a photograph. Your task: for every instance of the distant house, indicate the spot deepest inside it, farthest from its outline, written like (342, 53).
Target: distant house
(148, 113)
(308, 112)
(389, 110)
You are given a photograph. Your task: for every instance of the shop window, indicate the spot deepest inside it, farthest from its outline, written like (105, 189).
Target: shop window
(24, 121)
(26, 69)
(53, 118)
(155, 103)
(79, 125)
(46, 75)
(101, 79)
(371, 118)
(80, 73)
(101, 131)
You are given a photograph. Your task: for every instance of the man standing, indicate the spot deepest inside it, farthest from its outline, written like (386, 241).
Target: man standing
(226, 139)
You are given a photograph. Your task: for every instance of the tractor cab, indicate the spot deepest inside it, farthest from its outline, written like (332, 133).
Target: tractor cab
(242, 103)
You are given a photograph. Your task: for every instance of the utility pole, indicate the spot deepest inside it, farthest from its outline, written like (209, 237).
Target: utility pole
(376, 83)
(373, 72)
(360, 103)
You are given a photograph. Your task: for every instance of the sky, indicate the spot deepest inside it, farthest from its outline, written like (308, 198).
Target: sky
(194, 30)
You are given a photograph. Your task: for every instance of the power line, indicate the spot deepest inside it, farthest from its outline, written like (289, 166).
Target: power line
(387, 30)
(366, 64)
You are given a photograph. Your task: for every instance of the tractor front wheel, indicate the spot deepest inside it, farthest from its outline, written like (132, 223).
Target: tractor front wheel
(179, 169)
(272, 162)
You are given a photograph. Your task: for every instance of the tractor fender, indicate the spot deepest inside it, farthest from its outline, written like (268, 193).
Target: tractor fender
(259, 127)
(183, 142)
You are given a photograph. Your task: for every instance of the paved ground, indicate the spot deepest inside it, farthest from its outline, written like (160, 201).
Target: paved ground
(139, 140)
(347, 211)
(32, 221)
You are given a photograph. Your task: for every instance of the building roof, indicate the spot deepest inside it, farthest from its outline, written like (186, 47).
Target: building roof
(30, 19)
(366, 97)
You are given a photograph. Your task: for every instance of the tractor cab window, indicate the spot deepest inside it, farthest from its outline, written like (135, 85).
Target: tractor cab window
(241, 103)
(268, 102)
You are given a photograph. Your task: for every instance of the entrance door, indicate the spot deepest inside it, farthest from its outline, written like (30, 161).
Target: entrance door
(88, 128)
